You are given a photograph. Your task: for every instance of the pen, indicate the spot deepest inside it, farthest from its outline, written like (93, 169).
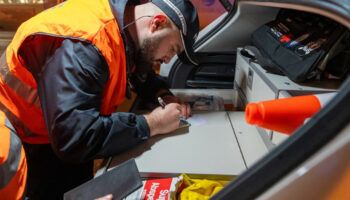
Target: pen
(161, 102)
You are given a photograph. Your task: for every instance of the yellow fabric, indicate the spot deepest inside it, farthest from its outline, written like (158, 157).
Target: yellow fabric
(200, 189)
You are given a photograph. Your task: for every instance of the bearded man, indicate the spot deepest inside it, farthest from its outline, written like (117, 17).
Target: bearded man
(67, 69)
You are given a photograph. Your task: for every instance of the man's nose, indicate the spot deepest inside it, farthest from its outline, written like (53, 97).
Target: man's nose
(166, 60)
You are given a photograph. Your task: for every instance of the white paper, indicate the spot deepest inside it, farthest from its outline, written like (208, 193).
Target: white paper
(197, 120)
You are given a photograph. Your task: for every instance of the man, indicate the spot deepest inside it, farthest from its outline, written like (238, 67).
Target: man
(69, 67)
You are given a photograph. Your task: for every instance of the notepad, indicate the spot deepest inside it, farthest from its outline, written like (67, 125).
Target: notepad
(120, 181)
(197, 120)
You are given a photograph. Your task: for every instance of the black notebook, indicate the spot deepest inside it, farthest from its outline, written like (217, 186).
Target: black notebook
(120, 181)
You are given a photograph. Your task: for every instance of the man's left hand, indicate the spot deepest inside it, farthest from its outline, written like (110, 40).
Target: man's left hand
(185, 107)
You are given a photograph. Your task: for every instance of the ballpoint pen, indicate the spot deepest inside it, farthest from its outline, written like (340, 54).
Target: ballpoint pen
(161, 102)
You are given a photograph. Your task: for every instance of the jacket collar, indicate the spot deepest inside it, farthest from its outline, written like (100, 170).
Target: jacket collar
(118, 10)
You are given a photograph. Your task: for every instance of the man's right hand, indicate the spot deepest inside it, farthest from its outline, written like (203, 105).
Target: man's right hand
(164, 120)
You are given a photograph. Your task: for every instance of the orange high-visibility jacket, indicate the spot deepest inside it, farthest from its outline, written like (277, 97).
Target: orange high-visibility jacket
(13, 166)
(18, 89)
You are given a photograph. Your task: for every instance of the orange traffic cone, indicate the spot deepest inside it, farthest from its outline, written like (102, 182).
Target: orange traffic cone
(285, 115)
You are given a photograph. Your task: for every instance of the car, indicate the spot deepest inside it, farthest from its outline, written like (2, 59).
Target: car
(311, 163)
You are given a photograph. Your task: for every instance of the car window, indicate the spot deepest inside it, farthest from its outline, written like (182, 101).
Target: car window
(209, 10)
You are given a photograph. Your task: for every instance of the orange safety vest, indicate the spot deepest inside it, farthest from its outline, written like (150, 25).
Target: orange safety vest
(91, 21)
(13, 165)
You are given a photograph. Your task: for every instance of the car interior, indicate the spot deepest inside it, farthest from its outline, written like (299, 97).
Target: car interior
(309, 163)
(295, 166)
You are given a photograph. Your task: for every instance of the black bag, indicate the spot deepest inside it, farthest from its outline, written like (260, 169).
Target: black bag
(339, 66)
(297, 44)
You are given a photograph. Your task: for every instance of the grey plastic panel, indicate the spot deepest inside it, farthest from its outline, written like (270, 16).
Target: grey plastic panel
(319, 176)
(249, 139)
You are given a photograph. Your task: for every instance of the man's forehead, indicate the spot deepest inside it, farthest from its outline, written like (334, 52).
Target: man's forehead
(179, 46)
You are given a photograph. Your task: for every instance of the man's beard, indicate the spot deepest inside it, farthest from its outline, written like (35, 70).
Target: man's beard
(145, 55)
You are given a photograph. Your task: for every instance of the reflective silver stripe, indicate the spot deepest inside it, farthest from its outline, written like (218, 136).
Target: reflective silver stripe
(9, 168)
(188, 56)
(179, 14)
(9, 125)
(26, 92)
(13, 120)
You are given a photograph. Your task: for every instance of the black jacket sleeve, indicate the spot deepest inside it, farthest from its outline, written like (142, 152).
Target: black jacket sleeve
(70, 85)
(147, 85)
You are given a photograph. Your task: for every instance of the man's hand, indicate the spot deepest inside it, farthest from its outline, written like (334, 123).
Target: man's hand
(164, 120)
(185, 107)
(107, 197)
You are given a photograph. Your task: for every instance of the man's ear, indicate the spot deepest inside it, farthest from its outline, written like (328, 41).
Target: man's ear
(158, 22)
